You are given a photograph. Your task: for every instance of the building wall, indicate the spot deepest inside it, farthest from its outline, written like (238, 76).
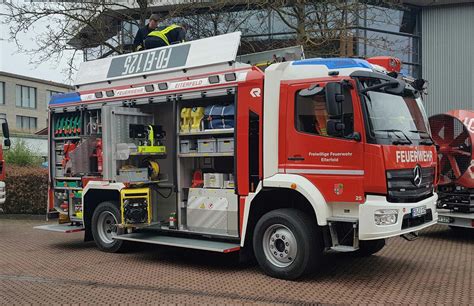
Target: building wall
(40, 112)
(448, 57)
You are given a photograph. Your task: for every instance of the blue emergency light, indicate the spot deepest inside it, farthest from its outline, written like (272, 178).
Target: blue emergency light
(335, 63)
(66, 98)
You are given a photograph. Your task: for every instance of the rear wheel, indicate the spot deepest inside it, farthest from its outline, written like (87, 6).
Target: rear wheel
(105, 221)
(369, 247)
(287, 243)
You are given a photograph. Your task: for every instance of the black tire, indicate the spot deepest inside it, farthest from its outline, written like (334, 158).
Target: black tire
(369, 247)
(301, 229)
(101, 236)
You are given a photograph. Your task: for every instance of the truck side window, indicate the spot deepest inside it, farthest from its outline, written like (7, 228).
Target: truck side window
(311, 114)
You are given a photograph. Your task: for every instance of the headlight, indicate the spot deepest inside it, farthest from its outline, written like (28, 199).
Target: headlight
(386, 216)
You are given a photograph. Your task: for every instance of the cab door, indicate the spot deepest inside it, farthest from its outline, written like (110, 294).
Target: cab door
(324, 139)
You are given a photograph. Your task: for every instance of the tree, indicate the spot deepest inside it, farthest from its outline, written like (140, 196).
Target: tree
(327, 27)
(65, 20)
(323, 27)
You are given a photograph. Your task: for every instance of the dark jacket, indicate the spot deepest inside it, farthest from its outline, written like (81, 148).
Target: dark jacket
(142, 33)
(176, 35)
(164, 36)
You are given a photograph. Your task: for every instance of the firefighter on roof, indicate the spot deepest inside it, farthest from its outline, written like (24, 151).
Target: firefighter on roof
(142, 33)
(165, 36)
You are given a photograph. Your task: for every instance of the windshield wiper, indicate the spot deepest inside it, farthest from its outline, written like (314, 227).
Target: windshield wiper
(399, 140)
(378, 86)
(424, 142)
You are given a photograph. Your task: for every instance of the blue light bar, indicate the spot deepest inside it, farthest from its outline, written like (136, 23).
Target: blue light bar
(70, 97)
(335, 63)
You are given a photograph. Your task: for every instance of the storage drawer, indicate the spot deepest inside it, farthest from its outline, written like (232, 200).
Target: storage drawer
(133, 175)
(59, 171)
(207, 145)
(215, 180)
(225, 145)
(188, 146)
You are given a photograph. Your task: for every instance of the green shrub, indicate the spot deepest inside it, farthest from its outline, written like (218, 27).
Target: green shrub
(27, 190)
(20, 154)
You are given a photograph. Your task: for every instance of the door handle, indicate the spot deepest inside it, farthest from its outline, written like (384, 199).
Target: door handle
(296, 157)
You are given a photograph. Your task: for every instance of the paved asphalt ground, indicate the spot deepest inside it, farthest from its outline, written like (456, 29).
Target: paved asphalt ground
(45, 267)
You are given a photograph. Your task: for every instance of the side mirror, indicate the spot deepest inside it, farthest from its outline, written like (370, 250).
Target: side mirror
(334, 99)
(5, 130)
(335, 127)
(7, 143)
(354, 136)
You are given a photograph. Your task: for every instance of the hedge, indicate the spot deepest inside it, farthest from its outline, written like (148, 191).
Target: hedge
(27, 190)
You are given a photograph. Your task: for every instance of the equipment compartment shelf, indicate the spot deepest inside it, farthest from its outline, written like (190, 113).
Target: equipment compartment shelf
(151, 182)
(205, 154)
(67, 138)
(67, 188)
(146, 154)
(207, 132)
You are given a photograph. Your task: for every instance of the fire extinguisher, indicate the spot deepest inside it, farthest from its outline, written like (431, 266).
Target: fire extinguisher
(97, 154)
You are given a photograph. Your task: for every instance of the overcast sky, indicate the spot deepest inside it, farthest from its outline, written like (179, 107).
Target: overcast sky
(14, 62)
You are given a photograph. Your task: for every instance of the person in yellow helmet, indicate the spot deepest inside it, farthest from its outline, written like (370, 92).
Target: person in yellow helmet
(142, 33)
(165, 36)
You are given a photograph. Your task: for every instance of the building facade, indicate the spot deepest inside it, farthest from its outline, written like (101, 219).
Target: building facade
(448, 56)
(24, 101)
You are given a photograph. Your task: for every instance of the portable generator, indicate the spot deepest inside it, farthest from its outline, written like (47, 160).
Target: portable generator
(135, 206)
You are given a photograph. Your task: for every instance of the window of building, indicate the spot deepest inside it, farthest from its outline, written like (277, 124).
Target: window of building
(25, 96)
(2, 92)
(26, 123)
(50, 93)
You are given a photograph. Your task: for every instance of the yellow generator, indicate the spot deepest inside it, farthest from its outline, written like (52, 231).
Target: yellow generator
(135, 206)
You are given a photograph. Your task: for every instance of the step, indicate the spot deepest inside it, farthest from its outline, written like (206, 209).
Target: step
(61, 228)
(189, 243)
(344, 248)
(343, 219)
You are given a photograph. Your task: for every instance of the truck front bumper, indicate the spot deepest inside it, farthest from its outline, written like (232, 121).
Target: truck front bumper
(405, 223)
(2, 193)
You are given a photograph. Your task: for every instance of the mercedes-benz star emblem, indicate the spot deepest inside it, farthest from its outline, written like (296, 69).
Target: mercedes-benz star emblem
(417, 178)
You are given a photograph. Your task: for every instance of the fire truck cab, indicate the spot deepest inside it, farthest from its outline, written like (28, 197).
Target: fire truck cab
(175, 147)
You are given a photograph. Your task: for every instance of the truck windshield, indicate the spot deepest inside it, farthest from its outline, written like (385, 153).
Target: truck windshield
(394, 119)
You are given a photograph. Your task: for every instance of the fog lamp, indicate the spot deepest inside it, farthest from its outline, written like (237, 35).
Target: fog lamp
(386, 216)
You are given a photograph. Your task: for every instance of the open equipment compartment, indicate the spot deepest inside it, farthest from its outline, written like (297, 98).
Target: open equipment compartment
(205, 162)
(76, 153)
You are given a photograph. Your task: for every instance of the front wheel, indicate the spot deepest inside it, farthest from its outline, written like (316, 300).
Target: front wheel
(105, 221)
(287, 243)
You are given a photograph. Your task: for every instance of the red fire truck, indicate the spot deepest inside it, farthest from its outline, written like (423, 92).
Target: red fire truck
(183, 146)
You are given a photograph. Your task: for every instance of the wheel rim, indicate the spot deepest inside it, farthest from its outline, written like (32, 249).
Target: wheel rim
(279, 245)
(107, 226)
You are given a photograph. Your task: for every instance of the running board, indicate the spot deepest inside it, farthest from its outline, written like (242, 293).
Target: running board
(344, 248)
(197, 244)
(60, 228)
